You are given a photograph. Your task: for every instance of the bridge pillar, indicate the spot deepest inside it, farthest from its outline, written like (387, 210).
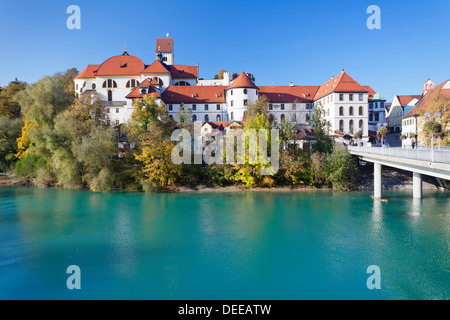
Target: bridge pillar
(417, 185)
(377, 181)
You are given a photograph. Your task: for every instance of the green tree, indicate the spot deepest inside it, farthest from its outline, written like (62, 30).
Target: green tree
(323, 142)
(219, 74)
(9, 106)
(10, 130)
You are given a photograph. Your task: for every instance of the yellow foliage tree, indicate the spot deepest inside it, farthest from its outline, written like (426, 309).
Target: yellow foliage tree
(24, 142)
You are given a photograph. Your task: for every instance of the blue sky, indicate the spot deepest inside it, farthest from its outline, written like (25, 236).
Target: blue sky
(277, 41)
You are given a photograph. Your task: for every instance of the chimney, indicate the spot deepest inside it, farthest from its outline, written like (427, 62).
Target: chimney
(291, 83)
(342, 70)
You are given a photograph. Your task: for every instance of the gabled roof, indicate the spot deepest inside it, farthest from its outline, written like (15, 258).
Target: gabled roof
(243, 81)
(341, 83)
(406, 99)
(424, 103)
(136, 92)
(370, 92)
(156, 67)
(181, 71)
(88, 72)
(164, 45)
(288, 94)
(121, 65)
(194, 94)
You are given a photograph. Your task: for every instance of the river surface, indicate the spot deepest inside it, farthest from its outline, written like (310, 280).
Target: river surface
(248, 245)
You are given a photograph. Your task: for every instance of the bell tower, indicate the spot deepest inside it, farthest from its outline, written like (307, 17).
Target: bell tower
(428, 86)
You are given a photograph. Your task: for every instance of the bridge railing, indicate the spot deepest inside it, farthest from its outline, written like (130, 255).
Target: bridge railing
(442, 156)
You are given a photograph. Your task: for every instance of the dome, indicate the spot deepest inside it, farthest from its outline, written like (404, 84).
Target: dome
(121, 65)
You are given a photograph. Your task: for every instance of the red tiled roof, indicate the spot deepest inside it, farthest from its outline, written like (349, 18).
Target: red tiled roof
(136, 92)
(243, 81)
(340, 83)
(371, 92)
(181, 71)
(88, 72)
(164, 45)
(424, 103)
(404, 100)
(194, 94)
(121, 65)
(288, 94)
(156, 67)
(154, 82)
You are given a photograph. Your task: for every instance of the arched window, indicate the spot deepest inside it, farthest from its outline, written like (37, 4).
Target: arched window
(94, 86)
(206, 118)
(132, 83)
(109, 84)
(341, 125)
(371, 117)
(218, 117)
(245, 91)
(161, 83)
(182, 83)
(361, 125)
(341, 111)
(232, 114)
(194, 118)
(350, 111)
(377, 117)
(110, 97)
(282, 117)
(350, 126)
(361, 111)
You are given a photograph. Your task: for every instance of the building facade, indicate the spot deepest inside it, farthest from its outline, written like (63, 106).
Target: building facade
(121, 79)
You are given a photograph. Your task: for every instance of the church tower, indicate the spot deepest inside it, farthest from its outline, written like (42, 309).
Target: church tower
(164, 50)
(428, 86)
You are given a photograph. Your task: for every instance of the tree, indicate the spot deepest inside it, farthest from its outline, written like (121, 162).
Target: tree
(9, 106)
(10, 130)
(219, 74)
(382, 132)
(184, 117)
(323, 142)
(340, 168)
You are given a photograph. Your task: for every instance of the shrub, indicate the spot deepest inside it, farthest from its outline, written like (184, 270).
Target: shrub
(28, 165)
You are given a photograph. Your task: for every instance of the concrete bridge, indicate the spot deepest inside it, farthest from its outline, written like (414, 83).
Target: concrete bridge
(431, 162)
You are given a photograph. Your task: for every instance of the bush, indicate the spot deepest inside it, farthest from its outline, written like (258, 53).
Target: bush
(340, 169)
(28, 165)
(43, 178)
(103, 181)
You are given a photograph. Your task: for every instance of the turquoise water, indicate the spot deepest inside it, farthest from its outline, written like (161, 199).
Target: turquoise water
(249, 245)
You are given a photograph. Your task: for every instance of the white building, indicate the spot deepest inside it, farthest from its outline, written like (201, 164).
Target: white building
(121, 79)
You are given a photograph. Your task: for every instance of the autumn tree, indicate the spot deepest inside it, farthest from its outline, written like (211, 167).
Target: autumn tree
(8, 105)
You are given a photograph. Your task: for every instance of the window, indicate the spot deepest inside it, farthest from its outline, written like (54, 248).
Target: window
(217, 106)
(294, 118)
(218, 117)
(371, 117)
(182, 83)
(117, 110)
(117, 122)
(361, 125)
(109, 84)
(232, 103)
(132, 83)
(360, 97)
(194, 107)
(94, 86)
(341, 97)
(361, 112)
(171, 117)
(282, 106)
(107, 110)
(194, 118)
(231, 92)
(341, 111)
(350, 96)
(232, 116)
(350, 125)
(282, 117)
(270, 106)
(377, 116)
(245, 102)
(341, 125)
(110, 96)
(206, 118)
(206, 107)
(170, 107)
(350, 111)
(294, 106)
(245, 91)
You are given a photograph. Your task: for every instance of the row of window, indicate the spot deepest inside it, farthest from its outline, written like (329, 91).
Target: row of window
(194, 107)
(245, 91)
(374, 117)
(350, 111)
(350, 125)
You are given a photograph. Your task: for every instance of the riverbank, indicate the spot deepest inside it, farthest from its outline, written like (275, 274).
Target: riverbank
(392, 180)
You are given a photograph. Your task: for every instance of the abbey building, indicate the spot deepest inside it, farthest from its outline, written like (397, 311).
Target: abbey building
(121, 79)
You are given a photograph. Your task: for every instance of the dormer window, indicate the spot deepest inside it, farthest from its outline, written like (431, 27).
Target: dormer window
(143, 91)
